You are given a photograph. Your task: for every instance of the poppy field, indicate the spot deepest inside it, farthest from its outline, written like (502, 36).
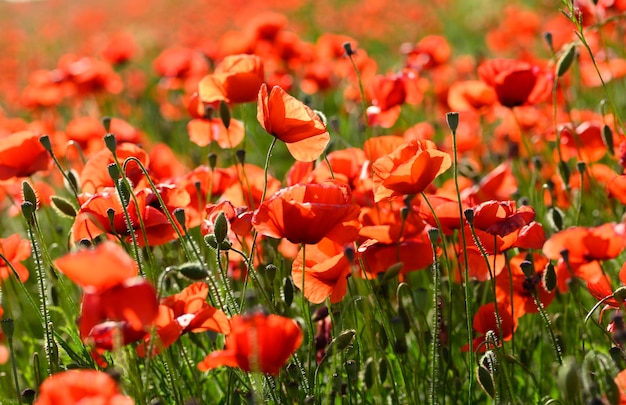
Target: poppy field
(312, 202)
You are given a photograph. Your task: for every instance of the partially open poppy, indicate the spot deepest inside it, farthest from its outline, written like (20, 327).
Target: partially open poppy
(257, 342)
(294, 123)
(305, 213)
(81, 386)
(409, 169)
(485, 320)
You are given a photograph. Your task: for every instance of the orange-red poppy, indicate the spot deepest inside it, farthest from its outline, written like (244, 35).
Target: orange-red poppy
(185, 312)
(236, 79)
(257, 343)
(498, 225)
(516, 82)
(387, 93)
(578, 251)
(294, 123)
(306, 213)
(111, 291)
(14, 249)
(414, 254)
(21, 155)
(409, 169)
(485, 320)
(81, 387)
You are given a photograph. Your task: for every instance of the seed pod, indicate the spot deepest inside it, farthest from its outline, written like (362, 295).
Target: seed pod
(44, 140)
(607, 137)
(555, 218)
(110, 142)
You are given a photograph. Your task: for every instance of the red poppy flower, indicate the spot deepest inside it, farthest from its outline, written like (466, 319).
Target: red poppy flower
(516, 82)
(21, 155)
(408, 170)
(498, 225)
(388, 93)
(584, 248)
(305, 213)
(185, 312)
(236, 79)
(257, 342)
(485, 320)
(471, 95)
(414, 254)
(14, 249)
(111, 291)
(326, 270)
(294, 123)
(81, 387)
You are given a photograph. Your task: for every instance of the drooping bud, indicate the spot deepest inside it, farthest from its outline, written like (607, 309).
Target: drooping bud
(63, 206)
(194, 270)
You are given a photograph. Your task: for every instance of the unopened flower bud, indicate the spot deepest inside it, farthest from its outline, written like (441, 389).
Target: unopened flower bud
(452, 118)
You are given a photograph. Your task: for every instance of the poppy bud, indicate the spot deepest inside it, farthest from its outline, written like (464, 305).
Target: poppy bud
(368, 376)
(607, 137)
(212, 160)
(527, 268)
(194, 270)
(110, 142)
(537, 163)
(337, 383)
(220, 227)
(392, 272)
(123, 190)
(288, 291)
(566, 60)
(452, 118)
(225, 113)
(111, 217)
(211, 241)
(484, 378)
(44, 140)
(620, 294)
(581, 167)
(341, 342)
(8, 327)
(241, 156)
(106, 123)
(347, 47)
(29, 194)
(568, 379)
(549, 278)
(555, 218)
(352, 370)
(383, 368)
(547, 36)
(270, 272)
(28, 395)
(71, 182)
(63, 206)
(469, 216)
(179, 214)
(564, 171)
(433, 235)
(225, 245)
(28, 210)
